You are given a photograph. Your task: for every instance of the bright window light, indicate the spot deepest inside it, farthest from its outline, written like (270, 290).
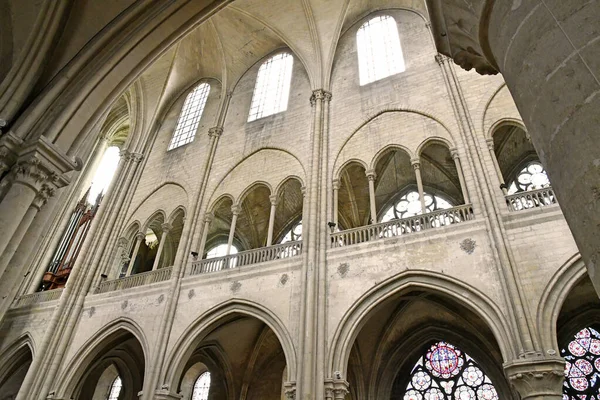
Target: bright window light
(201, 387)
(220, 251)
(189, 119)
(104, 174)
(379, 49)
(272, 88)
(115, 389)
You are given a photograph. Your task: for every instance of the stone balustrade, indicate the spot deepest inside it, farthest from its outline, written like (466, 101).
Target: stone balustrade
(37, 297)
(530, 199)
(144, 278)
(402, 226)
(255, 256)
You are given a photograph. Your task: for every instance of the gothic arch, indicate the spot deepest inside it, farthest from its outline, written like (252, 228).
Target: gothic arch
(434, 140)
(504, 121)
(69, 379)
(551, 301)
(156, 214)
(387, 148)
(355, 318)
(15, 361)
(285, 180)
(250, 188)
(338, 171)
(194, 334)
(175, 213)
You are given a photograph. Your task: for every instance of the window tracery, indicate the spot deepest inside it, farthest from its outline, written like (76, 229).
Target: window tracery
(272, 88)
(582, 366)
(379, 49)
(409, 205)
(444, 372)
(189, 119)
(201, 387)
(532, 177)
(294, 234)
(115, 389)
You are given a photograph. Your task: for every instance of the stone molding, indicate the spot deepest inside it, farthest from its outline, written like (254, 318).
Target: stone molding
(289, 390)
(166, 394)
(166, 227)
(336, 389)
(336, 184)
(42, 197)
(215, 132)
(536, 377)
(140, 236)
(371, 175)
(416, 163)
(9, 149)
(319, 95)
(208, 217)
(274, 199)
(236, 209)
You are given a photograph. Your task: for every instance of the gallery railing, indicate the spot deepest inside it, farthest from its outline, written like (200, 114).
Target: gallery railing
(255, 256)
(37, 297)
(530, 199)
(402, 226)
(144, 278)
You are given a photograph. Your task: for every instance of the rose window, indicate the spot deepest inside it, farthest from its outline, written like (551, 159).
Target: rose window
(446, 373)
(532, 177)
(582, 367)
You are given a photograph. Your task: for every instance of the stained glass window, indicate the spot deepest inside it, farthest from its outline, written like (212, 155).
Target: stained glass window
(115, 389)
(201, 387)
(446, 373)
(582, 366)
(189, 119)
(379, 49)
(409, 205)
(272, 88)
(532, 177)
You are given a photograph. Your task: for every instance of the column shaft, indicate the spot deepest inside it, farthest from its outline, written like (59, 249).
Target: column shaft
(235, 211)
(417, 167)
(336, 194)
(207, 220)
(490, 143)
(461, 176)
(161, 245)
(138, 242)
(373, 207)
(271, 220)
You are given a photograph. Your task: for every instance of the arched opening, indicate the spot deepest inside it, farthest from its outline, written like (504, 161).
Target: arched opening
(147, 249)
(218, 230)
(395, 186)
(440, 175)
(578, 334)
(252, 224)
(272, 88)
(243, 357)
(353, 200)
(287, 223)
(13, 371)
(401, 335)
(113, 370)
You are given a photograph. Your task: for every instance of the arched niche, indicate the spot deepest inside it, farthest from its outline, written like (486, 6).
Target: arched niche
(253, 219)
(115, 353)
(394, 177)
(353, 197)
(439, 172)
(288, 212)
(218, 231)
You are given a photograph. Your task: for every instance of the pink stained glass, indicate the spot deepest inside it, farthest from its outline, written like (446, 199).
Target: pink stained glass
(444, 360)
(580, 384)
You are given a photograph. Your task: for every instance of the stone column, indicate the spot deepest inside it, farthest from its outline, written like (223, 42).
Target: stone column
(273, 199)
(336, 389)
(138, 242)
(15, 241)
(336, 194)
(371, 177)
(235, 209)
(121, 257)
(208, 218)
(537, 378)
(166, 227)
(551, 68)
(461, 176)
(416, 164)
(490, 144)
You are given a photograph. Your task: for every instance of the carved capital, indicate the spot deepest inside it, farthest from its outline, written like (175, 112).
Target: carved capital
(42, 197)
(336, 389)
(208, 217)
(274, 199)
(441, 59)
(166, 227)
(303, 190)
(9, 149)
(236, 209)
(336, 184)
(137, 157)
(215, 132)
(289, 389)
(319, 95)
(490, 143)
(454, 153)
(416, 163)
(537, 377)
(122, 242)
(371, 175)
(140, 236)
(125, 155)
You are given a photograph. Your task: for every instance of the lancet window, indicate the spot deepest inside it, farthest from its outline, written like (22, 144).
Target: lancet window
(201, 387)
(115, 389)
(379, 49)
(189, 119)
(582, 366)
(272, 88)
(444, 372)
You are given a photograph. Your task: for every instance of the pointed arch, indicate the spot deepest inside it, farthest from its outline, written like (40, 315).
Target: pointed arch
(355, 318)
(202, 326)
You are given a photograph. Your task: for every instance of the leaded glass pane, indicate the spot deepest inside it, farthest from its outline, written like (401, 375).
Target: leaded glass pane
(532, 177)
(582, 366)
(379, 49)
(115, 389)
(446, 373)
(189, 119)
(201, 387)
(272, 88)
(409, 205)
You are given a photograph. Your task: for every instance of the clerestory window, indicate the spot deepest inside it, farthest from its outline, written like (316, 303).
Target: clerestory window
(379, 49)
(444, 372)
(189, 119)
(272, 88)
(115, 389)
(201, 387)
